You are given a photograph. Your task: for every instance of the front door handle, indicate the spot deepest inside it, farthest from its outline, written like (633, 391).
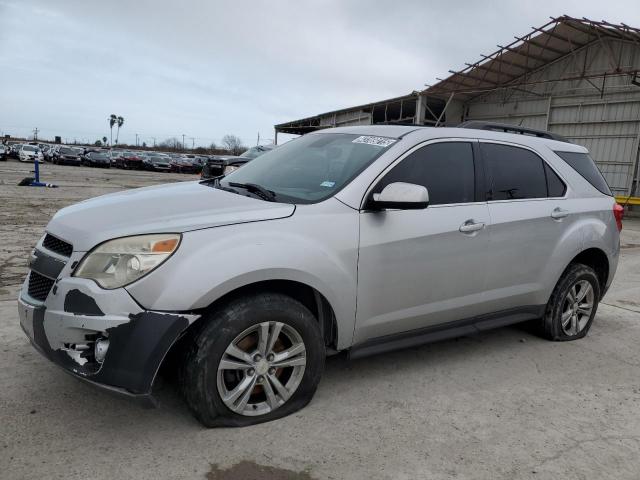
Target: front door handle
(471, 226)
(559, 213)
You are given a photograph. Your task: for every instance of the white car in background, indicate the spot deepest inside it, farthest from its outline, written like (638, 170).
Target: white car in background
(28, 153)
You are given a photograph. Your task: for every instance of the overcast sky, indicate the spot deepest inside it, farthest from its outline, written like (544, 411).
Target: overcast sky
(205, 68)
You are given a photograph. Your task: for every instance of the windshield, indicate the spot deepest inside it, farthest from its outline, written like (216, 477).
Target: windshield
(29, 148)
(311, 168)
(100, 156)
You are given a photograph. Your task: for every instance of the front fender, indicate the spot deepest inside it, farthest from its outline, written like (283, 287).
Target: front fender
(317, 246)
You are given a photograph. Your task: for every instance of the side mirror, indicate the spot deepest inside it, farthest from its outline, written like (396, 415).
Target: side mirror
(400, 195)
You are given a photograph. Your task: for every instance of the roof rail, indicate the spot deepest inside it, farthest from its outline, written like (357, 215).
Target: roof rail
(503, 127)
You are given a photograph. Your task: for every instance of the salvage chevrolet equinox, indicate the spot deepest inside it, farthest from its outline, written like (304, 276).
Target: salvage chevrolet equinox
(357, 239)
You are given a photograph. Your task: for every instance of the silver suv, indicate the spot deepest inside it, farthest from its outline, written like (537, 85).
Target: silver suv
(359, 239)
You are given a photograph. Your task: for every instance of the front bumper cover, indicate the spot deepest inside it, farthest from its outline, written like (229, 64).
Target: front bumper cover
(77, 312)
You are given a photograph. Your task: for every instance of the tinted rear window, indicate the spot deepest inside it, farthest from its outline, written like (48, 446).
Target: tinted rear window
(513, 173)
(585, 166)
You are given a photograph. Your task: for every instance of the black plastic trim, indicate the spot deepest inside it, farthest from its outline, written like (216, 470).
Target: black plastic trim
(516, 129)
(46, 265)
(446, 331)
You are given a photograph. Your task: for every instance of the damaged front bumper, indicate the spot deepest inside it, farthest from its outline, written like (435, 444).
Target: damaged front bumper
(76, 313)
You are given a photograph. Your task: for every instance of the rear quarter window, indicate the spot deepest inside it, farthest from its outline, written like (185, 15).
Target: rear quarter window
(586, 167)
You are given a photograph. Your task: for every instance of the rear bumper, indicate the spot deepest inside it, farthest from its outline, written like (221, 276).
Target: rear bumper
(132, 164)
(69, 161)
(77, 312)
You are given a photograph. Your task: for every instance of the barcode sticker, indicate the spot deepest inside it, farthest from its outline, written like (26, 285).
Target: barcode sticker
(375, 141)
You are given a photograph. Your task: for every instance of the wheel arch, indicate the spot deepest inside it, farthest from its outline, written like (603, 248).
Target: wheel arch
(597, 259)
(309, 296)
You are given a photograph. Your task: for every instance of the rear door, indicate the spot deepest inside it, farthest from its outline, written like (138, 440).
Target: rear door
(529, 214)
(418, 268)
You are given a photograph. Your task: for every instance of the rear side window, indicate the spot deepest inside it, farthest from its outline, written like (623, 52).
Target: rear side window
(446, 169)
(513, 173)
(585, 166)
(555, 186)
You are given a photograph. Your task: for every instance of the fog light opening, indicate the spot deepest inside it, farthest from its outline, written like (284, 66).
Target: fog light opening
(100, 349)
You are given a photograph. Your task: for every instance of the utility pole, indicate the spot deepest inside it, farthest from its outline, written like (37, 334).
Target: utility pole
(154, 142)
(136, 139)
(35, 133)
(193, 143)
(258, 141)
(183, 135)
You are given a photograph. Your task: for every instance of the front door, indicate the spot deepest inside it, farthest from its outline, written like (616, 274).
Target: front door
(419, 268)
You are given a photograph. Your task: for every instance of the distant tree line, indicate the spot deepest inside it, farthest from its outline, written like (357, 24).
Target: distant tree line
(230, 145)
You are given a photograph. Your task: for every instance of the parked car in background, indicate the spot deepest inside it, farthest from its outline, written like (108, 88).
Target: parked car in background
(51, 152)
(67, 155)
(186, 164)
(129, 160)
(14, 149)
(219, 165)
(159, 162)
(29, 153)
(97, 159)
(45, 152)
(115, 155)
(3, 153)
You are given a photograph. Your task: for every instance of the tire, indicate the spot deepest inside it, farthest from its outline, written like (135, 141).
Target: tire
(575, 278)
(203, 384)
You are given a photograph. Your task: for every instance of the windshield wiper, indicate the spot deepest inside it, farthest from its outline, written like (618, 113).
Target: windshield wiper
(256, 189)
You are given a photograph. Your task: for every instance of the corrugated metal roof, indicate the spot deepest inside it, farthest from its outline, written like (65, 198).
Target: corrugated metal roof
(511, 65)
(309, 124)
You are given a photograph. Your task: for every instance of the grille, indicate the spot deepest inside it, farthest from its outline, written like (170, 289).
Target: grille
(56, 245)
(39, 286)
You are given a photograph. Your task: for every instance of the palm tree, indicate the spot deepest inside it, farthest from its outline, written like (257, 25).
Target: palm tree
(112, 121)
(120, 121)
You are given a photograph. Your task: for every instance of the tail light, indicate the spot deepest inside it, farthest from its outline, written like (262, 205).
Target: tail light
(618, 212)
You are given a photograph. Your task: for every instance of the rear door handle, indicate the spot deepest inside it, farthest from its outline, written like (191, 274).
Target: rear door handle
(559, 213)
(471, 226)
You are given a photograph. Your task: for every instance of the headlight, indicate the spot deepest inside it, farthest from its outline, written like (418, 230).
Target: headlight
(119, 262)
(230, 168)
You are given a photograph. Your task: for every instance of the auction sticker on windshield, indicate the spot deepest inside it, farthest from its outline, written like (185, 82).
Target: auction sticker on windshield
(376, 141)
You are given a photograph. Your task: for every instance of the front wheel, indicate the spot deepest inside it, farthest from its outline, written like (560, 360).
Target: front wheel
(254, 360)
(573, 304)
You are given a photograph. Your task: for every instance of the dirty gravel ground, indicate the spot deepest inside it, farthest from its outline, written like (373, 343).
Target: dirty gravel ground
(501, 405)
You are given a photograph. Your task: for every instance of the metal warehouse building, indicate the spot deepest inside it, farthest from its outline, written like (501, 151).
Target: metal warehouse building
(575, 77)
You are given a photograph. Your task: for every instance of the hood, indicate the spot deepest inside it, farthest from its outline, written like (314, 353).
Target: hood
(176, 207)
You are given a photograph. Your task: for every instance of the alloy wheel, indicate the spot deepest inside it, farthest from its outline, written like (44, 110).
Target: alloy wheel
(577, 308)
(261, 368)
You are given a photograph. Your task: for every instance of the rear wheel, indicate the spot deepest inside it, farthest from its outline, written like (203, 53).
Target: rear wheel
(256, 359)
(573, 304)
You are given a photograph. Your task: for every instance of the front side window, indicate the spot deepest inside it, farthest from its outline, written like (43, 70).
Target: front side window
(446, 169)
(513, 173)
(309, 169)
